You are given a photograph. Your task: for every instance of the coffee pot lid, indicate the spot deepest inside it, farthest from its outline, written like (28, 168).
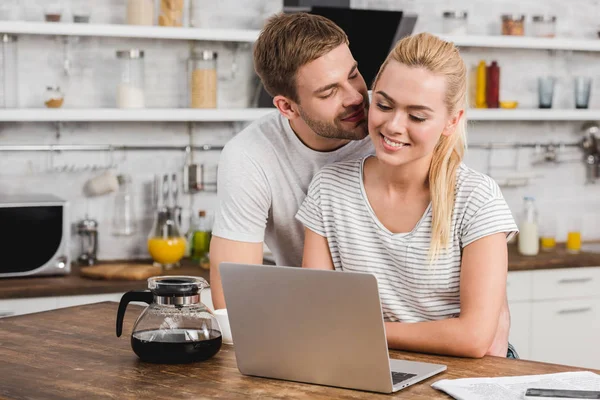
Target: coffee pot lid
(176, 285)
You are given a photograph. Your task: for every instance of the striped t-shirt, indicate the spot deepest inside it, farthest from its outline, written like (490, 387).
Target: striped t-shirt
(411, 290)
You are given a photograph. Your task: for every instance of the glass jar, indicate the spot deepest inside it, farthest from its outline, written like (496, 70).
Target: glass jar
(513, 25)
(140, 12)
(130, 91)
(203, 79)
(123, 212)
(54, 97)
(543, 26)
(197, 13)
(455, 23)
(9, 65)
(171, 13)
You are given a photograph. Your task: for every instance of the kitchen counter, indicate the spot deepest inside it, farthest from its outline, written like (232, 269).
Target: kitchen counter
(558, 258)
(73, 353)
(74, 284)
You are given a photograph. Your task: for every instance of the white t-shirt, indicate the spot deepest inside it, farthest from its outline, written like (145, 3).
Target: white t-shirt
(264, 173)
(410, 289)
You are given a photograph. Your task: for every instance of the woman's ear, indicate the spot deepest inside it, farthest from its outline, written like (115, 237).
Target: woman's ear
(453, 122)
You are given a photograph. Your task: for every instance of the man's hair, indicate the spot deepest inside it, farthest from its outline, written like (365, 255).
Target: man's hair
(289, 41)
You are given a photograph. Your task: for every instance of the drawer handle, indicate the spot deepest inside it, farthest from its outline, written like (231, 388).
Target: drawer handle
(6, 313)
(575, 280)
(575, 310)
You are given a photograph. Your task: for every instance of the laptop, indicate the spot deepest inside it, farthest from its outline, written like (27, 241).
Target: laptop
(313, 326)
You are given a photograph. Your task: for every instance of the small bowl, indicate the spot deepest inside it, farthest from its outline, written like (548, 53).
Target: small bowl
(509, 104)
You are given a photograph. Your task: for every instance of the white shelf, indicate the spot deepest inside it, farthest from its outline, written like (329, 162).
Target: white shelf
(524, 42)
(147, 114)
(523, 114)
(250, 114)
(127, 31)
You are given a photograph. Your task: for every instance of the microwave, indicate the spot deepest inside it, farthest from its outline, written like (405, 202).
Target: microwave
(36, 234)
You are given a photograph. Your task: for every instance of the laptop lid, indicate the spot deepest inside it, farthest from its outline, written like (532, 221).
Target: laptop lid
(306, 325)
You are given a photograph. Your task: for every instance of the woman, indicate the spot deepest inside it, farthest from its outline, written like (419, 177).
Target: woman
(432, 230)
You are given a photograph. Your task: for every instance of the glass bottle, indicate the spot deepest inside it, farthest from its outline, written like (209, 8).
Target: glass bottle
(130, 91)
(123, 213)
(166, 244)
(529, 240)
(493, 85)
(201, 239)
(9, 65)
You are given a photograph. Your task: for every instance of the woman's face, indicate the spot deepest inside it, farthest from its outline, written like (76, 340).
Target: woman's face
(408, 114)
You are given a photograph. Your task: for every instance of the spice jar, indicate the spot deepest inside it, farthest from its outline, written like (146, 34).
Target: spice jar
(513, 25)
(203, 79)
(54, 97)
(543, 26)
(455, 23)
(171, 13)
(140, 12)
(130, 91)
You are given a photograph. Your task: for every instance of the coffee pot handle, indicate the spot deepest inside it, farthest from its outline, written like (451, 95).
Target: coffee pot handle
(144, 296)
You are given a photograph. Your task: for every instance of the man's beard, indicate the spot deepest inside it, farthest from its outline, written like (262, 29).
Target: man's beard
(333, 130)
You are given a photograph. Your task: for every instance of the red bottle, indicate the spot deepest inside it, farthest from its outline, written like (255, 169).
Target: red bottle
(493, 85)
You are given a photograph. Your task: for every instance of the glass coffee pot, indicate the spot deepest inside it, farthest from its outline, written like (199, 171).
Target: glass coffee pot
(175, 327)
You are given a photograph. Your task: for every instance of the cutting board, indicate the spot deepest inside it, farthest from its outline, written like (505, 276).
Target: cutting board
(121, 271)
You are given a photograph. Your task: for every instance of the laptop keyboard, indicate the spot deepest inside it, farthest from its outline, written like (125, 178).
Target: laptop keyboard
(398, 377)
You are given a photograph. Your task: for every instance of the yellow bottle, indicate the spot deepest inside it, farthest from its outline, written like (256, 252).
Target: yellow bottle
(573, 242)
(480, 100)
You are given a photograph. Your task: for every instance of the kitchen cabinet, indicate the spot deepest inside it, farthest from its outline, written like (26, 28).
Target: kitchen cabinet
(555, 315)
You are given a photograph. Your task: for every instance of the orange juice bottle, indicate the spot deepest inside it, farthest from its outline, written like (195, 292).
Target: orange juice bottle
(166, 251)
(574, 242)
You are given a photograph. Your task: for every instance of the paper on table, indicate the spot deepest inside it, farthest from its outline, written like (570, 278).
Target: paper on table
(514, 387)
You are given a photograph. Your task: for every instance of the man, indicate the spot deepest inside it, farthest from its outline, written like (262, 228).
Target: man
(304, 62)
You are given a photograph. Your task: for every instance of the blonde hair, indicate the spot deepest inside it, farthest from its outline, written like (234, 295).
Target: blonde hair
(441, 58)
(289, 41)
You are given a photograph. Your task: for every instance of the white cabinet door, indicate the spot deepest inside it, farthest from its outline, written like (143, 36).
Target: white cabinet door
(567, 332)
(10, 307)
(520, 328)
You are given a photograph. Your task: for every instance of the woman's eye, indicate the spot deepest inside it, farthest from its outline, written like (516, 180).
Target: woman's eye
(417, 119)
(382, 107)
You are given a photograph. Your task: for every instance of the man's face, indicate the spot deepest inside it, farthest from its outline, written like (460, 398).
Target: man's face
(333, 98)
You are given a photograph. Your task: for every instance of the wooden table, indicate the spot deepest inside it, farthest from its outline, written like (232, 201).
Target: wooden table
(73, 353)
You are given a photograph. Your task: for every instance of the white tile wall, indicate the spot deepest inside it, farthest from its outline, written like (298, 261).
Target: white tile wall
(560, 189)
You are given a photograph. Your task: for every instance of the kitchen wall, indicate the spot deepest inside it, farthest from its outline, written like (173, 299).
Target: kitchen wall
(559, 188)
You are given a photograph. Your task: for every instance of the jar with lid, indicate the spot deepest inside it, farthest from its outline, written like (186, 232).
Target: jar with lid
(543, 26)
(455, 22)
(171, 13)
(54, 97)
(130, 90)
(140, 12)
(9, 70)
(513, 25)
(203, 79)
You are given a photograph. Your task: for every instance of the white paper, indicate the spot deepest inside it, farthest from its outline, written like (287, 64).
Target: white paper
(514, 387)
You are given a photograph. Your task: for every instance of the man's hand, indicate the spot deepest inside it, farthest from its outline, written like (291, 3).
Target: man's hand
(499, 346)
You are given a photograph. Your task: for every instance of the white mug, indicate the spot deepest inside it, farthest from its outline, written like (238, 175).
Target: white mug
(223, 319)
(104, 183)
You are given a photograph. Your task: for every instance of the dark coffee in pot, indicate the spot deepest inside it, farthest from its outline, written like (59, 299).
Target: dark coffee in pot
(175, 346)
